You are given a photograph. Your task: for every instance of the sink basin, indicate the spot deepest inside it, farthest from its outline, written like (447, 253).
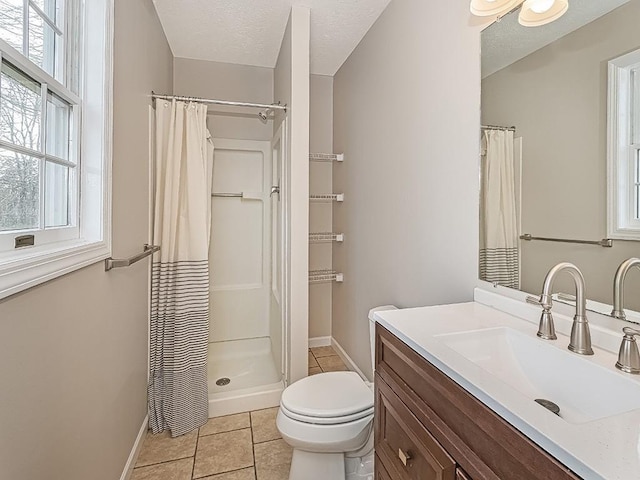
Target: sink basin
(583, 390)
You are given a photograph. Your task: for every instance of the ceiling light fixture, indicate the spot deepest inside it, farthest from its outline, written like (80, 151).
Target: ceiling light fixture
(533, 13)
(488, 8)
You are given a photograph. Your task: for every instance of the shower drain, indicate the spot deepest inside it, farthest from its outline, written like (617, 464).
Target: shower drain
(223, 382)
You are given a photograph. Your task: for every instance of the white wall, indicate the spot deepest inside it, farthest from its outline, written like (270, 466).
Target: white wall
(291, 85)
(406, 115)
(320, 213)
(562, 119)
(73, 351)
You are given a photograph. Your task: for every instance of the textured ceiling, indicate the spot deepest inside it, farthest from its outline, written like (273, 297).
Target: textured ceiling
(506, 42)
(249, 32)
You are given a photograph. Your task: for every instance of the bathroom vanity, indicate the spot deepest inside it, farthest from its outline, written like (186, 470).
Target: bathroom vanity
(428, 427)
(455, 390)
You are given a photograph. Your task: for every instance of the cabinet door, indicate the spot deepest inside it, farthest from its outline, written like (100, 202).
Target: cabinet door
(460, 475)
(405, 448)
(379, 470)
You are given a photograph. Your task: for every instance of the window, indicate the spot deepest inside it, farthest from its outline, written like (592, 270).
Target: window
(55, 132)
(624, 147)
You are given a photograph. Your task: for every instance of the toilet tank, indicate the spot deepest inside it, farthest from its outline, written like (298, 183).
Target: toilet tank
(372, 332)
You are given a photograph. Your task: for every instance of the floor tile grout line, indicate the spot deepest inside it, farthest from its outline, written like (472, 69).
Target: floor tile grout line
(253, 447)
(266, 441)
(162, 462)
(193, 467)
(224, 431)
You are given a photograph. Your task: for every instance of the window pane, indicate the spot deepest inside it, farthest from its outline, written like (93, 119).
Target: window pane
(20, 105)
(56, 200)
(51, 8)
(43, 44)
(19, 191)
(58, 117)
(11, 22)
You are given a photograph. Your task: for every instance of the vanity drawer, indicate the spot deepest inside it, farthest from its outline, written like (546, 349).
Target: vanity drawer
(480, 442)
(407, 450)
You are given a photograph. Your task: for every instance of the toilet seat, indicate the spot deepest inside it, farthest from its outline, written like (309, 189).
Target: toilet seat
(328, 399)
(327, 420)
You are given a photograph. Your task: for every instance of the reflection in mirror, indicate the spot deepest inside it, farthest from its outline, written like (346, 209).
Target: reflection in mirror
(547, 177)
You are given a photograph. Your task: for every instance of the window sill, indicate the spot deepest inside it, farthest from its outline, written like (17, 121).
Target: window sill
(34, 266)
(631, 236)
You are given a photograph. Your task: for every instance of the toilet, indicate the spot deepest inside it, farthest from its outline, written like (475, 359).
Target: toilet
(328, 420)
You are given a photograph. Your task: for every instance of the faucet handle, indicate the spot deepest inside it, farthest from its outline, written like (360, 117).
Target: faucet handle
(546, 328)
(629, 356)
(533, 300)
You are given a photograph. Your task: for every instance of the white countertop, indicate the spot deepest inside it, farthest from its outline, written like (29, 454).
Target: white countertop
(607, 448)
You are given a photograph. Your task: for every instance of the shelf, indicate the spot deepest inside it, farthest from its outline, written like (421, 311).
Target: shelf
(325, 276)
(323, 237)
(326, 157)
(330, 197)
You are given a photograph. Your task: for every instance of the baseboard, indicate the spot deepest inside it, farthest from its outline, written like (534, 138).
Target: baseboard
(319, 342)
(133, 456)
(351, 365)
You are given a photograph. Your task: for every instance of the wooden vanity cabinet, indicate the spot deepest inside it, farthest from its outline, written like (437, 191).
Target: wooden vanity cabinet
(427, 427)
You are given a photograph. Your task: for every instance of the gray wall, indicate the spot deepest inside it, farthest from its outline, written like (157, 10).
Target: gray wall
(320, 213)
(406, 106)
(73, 351)
(226, 81)
(557, 99)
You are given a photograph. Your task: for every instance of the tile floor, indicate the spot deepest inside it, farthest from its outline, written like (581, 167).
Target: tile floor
(245, 446)
(325, 359)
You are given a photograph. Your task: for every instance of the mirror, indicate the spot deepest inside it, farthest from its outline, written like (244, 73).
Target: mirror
(550, 83)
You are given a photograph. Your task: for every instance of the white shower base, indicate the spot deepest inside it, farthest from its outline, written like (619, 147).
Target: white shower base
(256, 381)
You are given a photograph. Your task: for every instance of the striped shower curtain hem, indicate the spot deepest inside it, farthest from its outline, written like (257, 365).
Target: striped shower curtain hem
(178, 397)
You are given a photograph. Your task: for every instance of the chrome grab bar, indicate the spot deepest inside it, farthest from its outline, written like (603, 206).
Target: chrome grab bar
(110, 262)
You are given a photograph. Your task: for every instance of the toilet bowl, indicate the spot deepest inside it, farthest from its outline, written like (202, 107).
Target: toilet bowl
(328, 420)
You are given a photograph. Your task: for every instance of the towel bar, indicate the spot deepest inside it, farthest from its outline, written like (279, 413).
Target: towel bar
(110, 263)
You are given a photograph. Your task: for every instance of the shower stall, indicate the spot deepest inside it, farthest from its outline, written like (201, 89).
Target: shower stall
(247, 355)
(247, 361)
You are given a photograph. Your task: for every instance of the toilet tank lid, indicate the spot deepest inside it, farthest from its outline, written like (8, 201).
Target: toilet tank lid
(381, 308)
(328, 395)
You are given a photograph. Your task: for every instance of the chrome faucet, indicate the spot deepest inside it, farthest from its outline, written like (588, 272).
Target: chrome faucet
(580, 335)
(618, 287)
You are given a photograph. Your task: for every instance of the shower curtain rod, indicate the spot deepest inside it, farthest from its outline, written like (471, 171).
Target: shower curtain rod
(497, 127)
(217, 102)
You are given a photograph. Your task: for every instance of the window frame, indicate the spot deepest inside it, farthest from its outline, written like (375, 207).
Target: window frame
(46, 235)
(26, 267)
(622, 153)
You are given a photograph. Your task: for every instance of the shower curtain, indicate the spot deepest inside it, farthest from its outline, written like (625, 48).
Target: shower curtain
(179, 337)
(499, 256)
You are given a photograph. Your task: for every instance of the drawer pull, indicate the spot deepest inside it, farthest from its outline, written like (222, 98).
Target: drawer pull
(404, 456)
